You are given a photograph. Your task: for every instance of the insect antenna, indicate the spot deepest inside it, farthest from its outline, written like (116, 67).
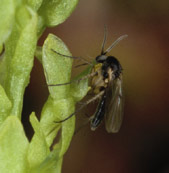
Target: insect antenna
(114, 44)
(104, 39)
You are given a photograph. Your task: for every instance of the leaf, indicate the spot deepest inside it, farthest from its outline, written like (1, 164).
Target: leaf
(57, 70)
(19, 56)
(13, 147)
(5, 105)
(61, 102)
(59, 105)
(56, 12)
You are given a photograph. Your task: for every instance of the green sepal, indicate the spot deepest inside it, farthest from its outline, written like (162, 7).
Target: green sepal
(18, 61)
(38, 148)
(13, 147)
(56, 12)
(5, 105)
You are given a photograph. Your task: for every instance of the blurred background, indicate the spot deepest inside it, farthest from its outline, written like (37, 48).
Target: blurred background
(142, 144)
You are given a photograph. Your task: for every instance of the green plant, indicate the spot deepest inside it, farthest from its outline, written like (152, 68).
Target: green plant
(22, 22)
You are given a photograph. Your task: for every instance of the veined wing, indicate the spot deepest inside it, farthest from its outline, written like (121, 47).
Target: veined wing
(114, 105)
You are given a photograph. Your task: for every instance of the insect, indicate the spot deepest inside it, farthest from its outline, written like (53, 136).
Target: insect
(106, 84)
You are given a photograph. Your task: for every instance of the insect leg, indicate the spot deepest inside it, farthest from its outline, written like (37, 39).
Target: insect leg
(83, 125)
(3, 49)
(78, 80)
(81, 107)
(81, 65)
(74, 57)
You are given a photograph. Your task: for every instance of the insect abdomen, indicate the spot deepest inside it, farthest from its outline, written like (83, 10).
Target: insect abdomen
(99, 115)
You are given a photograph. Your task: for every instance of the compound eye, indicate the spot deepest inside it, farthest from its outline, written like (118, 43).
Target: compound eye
(101, 58)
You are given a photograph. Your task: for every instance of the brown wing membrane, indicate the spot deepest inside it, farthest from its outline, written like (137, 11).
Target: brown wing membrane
(114, 105)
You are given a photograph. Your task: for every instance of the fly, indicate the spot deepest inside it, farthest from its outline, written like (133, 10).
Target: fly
(106, 84)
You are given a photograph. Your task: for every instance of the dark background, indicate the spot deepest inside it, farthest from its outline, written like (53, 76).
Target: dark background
(142, 145)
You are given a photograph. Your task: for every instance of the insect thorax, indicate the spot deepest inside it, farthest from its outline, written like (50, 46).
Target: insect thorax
(107, 69)
(97, 82)
(111, 63)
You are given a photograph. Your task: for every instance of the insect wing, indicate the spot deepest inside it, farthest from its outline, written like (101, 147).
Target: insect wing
(114, 105)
